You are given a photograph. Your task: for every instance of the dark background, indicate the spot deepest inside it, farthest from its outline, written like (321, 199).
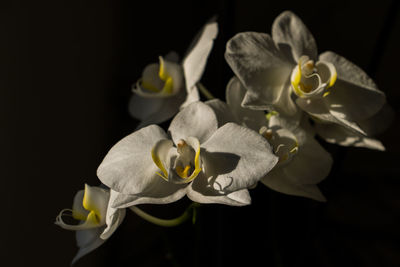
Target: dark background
(65, 77)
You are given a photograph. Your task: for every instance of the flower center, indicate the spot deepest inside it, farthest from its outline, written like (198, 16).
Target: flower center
(185, 161)
(180, 164)
(283, 142)
(311, 79)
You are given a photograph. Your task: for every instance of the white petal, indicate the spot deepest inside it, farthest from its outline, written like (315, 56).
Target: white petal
(288, 29)
(258, 64)
(279, 182)
(307, 168)
(356, 103)
(337, 134)
(197, 120)
(195, 61)
(379, 122)
(155, 110)
(235, 93)
(199, 191)
(87, 241)
(192, 96)
(235, 158)
(167, 193)
(128, 167)
(222, 111)
(114, 217)
(355, 90)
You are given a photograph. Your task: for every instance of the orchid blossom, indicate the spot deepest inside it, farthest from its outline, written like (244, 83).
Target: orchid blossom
(169, 85)
(196, 158)
(284, 72)
(302, 163)
(98, 220)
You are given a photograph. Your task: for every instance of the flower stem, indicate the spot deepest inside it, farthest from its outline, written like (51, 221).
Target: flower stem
(204, 91)
(166, 222)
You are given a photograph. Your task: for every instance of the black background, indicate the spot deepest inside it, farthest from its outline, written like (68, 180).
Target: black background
(66, 72)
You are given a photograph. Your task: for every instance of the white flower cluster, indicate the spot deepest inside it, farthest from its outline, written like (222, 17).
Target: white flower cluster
(282, 96)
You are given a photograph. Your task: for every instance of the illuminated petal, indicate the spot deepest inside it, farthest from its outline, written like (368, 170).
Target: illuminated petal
(195, 61)
(87, 241)
(235, 93)
(162, 193)
(337, 134)
(259, 65)
(191, 96)
(288, 29)
(129, 167)
(196, 120)
(354, 92)
(235, 158)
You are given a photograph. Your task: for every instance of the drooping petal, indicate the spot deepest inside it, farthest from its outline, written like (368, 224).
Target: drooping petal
(337, 134)
(197, 120)
(114, 217)
(379, 122)
(356, 103)
(128, 167)
(87, 241)
(354, 90)
(288, 29)
(235, 93)
(318, 110)
(236, 157)
(277, 181)
(259, 65)
(195, 61)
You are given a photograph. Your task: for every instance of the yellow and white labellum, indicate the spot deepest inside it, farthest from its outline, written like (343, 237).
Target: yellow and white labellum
(311, 79)
(283, 142)
(89, 207)
(178, 165)
(160, 80)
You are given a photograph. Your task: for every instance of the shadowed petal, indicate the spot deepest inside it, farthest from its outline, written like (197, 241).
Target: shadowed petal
(289, 29)
(236, 157)
(259, 65)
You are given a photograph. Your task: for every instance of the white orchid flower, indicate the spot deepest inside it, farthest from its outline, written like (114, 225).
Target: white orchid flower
(302, 164)
(328, 87)
(196, 158)
(169, 85)
(98, 220)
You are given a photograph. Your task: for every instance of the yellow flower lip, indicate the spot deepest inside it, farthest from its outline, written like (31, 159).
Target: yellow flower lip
(284, 143)
(164, 76)
(90, 207)
(311, 79)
